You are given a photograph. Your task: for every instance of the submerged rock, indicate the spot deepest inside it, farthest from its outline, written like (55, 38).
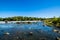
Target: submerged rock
(30, 33)
(6, 33)
(43, 25)
(59, 32)
(17, 22)
(29, 22)
(56, 30)
(57, 38)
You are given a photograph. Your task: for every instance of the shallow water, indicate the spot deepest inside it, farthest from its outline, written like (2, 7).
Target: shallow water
(33, 31)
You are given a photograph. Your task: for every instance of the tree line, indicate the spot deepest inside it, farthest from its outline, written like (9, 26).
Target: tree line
(20, 18)
(55, 21)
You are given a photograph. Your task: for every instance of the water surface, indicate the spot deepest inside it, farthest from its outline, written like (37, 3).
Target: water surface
(33, 31)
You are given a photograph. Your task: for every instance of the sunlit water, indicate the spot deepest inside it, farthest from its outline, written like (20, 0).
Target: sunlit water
(23, 32)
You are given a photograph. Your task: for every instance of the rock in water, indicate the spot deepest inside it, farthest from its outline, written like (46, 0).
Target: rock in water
(56, 30)
(31, 33)
(6, 33)
(57, 38)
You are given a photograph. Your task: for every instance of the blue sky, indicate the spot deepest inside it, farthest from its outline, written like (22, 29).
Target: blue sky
(33, 8)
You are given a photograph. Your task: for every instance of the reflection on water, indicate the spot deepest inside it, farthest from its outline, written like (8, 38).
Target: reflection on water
(34, 31)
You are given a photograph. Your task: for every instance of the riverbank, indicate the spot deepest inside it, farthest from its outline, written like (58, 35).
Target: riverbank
(17, 21)
(54, 23)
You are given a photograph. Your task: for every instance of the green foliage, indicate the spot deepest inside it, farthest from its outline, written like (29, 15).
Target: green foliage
(1, 19)
(53, 21)
(20, 18)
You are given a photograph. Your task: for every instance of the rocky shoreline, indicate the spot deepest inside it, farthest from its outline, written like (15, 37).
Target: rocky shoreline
(17, 21)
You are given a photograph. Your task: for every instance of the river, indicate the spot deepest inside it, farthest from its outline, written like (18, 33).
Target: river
(33, 31)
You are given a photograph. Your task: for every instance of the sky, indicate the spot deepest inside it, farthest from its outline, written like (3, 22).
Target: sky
(30, 8)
